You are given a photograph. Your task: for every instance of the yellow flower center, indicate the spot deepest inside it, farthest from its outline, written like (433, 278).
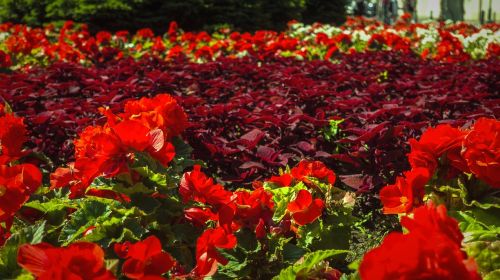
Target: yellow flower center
(3, 189)
(481, 163)
(404, 200)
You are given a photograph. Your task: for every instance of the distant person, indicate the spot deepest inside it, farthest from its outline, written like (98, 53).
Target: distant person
(410, 7)
(387, 11)
(360, 8)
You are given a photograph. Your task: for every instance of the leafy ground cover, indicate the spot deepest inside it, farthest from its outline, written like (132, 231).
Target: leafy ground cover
(248, 119)
(378, 162)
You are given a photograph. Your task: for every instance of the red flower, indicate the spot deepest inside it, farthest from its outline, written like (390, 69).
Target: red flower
(207, 255)
(103, 37)
(5, 60)
(12, 137)
(254, 208)
(195, 185)
(205, 52)
(161, 111)
(434, 219)
(158, 45)
(99, 152)
(144, 258)
(145, 33)
(431, 250)
(433, 143)
(62, 177)
(107, 151)
(80, 260)
(314, 169)
(481, 151)
(17, 183)
(331, 52)
(406, 193)
(199, 216)
(304, 209)
(283, 180)
(172, 31)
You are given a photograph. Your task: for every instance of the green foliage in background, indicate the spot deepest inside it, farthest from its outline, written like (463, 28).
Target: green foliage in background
(247, 15)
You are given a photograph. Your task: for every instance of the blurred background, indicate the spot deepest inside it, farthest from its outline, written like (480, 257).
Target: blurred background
(245, 15)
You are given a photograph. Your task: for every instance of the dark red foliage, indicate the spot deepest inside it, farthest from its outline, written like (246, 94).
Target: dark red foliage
(249, 118)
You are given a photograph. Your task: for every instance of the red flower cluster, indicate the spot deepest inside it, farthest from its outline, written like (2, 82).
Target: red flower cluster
(303, 171)
(476, 151)
(431, 250)
(5, 60)
(231, 211)
(81, 260)
(12, 137)
(144, 259)
(434, 143)
(481, 151)
(17, 181)
(254, 210)
(314, 169)
(242, 208)
(146, 125)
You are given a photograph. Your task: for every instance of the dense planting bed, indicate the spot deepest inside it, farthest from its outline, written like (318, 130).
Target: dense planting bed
(365, 151)
(250, 118)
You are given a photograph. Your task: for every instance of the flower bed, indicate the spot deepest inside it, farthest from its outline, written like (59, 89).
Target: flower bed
(22, 46)
(232, 160)
(247, 121)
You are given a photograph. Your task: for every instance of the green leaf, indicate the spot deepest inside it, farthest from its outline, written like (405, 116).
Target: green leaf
(478, 224)
(331, 232)
(494, 275)
(282, 197)
(25, 276)
(90, 213)
(52, 205)
(310, 260)
(232, 270)
(246, 240)
(291, 252)
(32, 234)
(333, 129)
(486, 254)
(146, 203)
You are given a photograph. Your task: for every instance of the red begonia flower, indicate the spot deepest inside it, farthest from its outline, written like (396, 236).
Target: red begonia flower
(253, 208)
(481, 151)
(161, 111)
(17, 183)
(81, 260)
(283, 180)
(195, 185)
(407, 193)
(314, 169)
(304, 209)
(12, 137)
(431, 250)
(207, 255)
(199, 216)
(144, 258)
(433, 143)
